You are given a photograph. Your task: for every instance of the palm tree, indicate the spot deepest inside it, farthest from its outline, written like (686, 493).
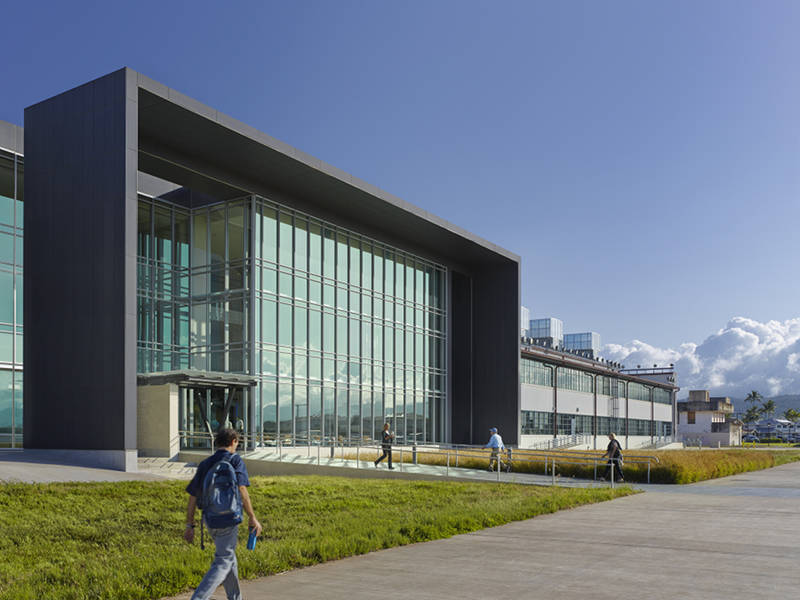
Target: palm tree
(791, 414)
(754, 398)
(768, 408)
(751, 415)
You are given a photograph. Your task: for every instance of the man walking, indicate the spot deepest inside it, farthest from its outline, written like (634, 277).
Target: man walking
(224, 569)
(614, 454)
(386, 445)
(496, 444)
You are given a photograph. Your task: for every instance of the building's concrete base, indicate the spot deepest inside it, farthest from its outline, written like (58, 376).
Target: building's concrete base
(118, 460)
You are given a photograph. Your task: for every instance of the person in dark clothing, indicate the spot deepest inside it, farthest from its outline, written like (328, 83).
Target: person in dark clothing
(387, 437)
(224, 569)
(614, 454)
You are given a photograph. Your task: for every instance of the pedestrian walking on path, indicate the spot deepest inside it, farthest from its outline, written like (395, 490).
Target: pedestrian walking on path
(387, 437)
(614, 454)
(496, 444)
(219, 488)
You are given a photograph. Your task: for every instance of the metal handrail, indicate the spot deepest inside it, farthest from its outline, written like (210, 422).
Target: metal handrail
(550, 457)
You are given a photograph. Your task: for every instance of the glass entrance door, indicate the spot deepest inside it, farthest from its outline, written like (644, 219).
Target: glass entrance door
(204, 410)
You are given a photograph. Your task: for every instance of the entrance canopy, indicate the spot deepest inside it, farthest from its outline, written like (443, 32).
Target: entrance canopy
(189, 378)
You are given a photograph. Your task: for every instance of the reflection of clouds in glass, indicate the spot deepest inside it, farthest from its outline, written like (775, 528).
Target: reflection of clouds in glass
(742, 356)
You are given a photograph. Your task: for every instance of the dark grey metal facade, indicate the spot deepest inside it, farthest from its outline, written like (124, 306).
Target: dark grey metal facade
(83, 151)
(80, 287)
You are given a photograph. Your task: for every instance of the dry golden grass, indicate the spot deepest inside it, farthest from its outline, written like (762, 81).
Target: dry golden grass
(673, 466)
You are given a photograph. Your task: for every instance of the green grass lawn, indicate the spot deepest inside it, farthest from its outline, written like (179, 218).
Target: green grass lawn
(120, 541)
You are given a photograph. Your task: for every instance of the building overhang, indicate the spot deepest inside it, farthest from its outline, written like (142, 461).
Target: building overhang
(187, 142)
(191, 378)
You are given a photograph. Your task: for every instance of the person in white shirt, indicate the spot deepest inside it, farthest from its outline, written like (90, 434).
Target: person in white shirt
(496, 444)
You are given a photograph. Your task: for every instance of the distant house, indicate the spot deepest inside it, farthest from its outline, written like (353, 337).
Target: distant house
(706, 420)
(770, 428)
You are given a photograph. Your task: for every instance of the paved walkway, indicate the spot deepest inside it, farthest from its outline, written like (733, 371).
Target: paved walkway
(729, 538)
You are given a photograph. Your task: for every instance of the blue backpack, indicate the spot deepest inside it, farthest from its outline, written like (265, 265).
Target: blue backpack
(220, 500)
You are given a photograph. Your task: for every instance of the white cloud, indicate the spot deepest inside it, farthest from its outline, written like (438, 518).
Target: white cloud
(742, 356)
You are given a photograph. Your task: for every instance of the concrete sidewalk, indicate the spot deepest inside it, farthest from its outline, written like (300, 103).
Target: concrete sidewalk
(735, 537)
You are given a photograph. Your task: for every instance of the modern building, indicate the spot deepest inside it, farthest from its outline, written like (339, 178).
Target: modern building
(707, 420)
(572, 400)
(547, 332)
(184, 271)
(587, 342)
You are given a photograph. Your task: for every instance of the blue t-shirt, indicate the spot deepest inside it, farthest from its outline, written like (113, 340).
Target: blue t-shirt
(195, 487)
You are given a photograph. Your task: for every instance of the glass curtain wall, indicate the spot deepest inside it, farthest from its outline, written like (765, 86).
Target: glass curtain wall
(350, 333)
(343, 332)
(11, 313)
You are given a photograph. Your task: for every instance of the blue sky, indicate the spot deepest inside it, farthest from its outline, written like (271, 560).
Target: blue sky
(641, 157)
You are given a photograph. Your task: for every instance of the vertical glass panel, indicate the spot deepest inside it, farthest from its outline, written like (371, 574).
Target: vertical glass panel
(355, 415)
(355, 261)
(268, 321)
(20, 302)
(236, 235)
(6, 188)
(355, 338)
(366, 339)
(341, 413)
(285, 411)
(377, 415)
(329, 254)
(20, 190)
(341, 257)
(366, 265)
(18, 406)
(181, 239)
(328, 369)
(269, 361)
(6, 248)
(217, 230)
(236, 321)
(300, 327)
(388, 344)
(315, 414)
(377, 339)
(301, 288)
(300, 243)
(314, 367)
(315, 248)
(329, 414)
(301, 413)
(269, 232)
(388, 259)
(341, 335)
(269, 416)
(315, 330)
(285, 324)
(6, 407)
(399, 283)
(328, 295)
(236, 243)
(143, 225)
(6, 297)
(162, 234)
(285, 240)
(200, 241)
(328, 332)
(269, 280)
(315, 292)
(216, 318)
(378, 267)
(300, 365)
(6, 346)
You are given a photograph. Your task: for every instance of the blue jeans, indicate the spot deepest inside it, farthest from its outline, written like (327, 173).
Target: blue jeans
(224, 569)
